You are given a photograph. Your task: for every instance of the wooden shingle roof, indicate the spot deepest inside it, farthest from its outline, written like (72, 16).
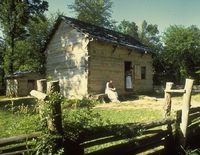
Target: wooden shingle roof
(103, 34)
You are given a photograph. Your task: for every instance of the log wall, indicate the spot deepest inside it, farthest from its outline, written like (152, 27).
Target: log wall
(83, 67)
(67, 60)
(107, 62)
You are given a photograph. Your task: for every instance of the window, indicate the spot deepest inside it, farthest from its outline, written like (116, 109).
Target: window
(143, 72)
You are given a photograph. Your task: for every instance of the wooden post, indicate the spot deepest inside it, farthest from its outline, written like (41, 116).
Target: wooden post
(185, 111)
(55, 116)
(42, 85)
(169, 149)
(167, 106)
(51, 111)
(53, 86)
(39, 95)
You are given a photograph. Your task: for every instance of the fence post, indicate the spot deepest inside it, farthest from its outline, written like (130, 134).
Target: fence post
(53, 86)
(42, 85)
(167, 106)
(185, 111)
(55, 116)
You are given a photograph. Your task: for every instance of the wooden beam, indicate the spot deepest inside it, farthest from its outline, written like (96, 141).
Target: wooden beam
(175, 91)
(55, 113)
(18, 139)
(130, 51)
(194, 116)
(38, 95)
(42, 85)
(167, 106)
(53, 86)
(196, 91)
(133, 126)
(114, 48)
(185, 111)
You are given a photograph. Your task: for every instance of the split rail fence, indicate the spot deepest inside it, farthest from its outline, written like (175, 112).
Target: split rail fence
(164, 136)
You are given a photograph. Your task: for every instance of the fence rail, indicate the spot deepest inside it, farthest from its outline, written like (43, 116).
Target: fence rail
(158, 134)
(17, 144)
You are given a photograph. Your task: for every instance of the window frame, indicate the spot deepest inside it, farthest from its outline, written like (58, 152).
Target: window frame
(143, 72)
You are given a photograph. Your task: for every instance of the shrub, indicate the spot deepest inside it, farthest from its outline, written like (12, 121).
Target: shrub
(75, 122)
(79, 103)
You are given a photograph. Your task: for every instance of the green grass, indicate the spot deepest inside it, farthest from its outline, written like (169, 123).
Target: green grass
(3, 97)
(22, 122)
(16, 124)
(130, 116)
(196, 97)
(17, 116)
(117, 117)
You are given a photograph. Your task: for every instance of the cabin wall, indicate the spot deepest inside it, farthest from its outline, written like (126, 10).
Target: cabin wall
(22, 85)
(107, 63)
(67, 60)
(11, 87)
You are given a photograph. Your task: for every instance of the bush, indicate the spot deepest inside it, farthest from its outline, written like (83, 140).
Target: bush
(75, 123)
(79, 103)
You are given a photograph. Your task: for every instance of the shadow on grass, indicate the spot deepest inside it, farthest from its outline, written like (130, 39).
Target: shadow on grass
(15, 104)
(120, 140)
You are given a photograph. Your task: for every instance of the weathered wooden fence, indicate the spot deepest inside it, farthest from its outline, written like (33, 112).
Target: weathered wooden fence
(17, 144)
(154, 137)
(164, 136)
(167, 136)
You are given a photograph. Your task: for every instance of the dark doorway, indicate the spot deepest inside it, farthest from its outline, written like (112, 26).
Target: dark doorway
(31, 85)
(128, 75)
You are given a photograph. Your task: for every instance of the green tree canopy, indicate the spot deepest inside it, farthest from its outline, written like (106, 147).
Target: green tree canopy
(2, 46)
(149, 35)
(96, 12)
(30, 51)
(129, 28)
(14, 18)
(182, 50)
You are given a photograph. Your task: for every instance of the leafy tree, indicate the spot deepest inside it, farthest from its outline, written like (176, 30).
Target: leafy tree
(1, 61)
(30, 50)
(14, 17)
(129, 28)
(149, 35)
(182, 50)
(11, 17)
(96, 12)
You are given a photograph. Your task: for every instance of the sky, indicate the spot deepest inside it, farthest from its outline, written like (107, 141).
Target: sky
(160, 12)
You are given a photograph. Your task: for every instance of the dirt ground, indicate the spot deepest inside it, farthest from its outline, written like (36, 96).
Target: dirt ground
(147, 102)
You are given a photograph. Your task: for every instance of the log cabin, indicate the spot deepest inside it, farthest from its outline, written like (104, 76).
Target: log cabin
(20, 83)
(83, 57)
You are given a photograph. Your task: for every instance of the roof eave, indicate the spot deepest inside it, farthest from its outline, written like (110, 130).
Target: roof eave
(141, 49)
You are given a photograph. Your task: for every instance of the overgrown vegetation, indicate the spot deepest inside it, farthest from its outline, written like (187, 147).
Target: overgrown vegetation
(18, 120)
(17, 19)
(83, 124)
(80, 122)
